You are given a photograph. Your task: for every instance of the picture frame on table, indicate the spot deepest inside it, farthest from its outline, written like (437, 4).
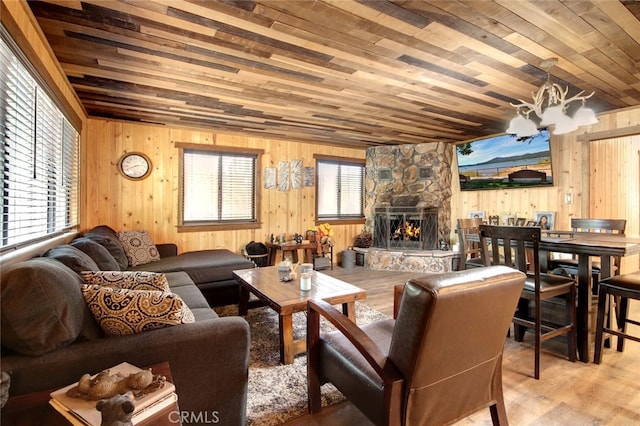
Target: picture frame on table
(545, 220)
(494, 220)
(531, 223)
(476, 214)
(520, 221)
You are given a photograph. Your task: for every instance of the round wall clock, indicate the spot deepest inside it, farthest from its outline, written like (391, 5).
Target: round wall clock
(135, 165)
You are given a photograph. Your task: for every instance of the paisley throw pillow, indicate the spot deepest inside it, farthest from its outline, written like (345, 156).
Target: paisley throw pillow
(122, 312)
(131, 280)
(138, 247)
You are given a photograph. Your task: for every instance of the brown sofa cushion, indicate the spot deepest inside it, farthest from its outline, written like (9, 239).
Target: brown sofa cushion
(107, 238)
(97, 252)
(75, 259)
(182, 285)
(42, 307)
(203, 266)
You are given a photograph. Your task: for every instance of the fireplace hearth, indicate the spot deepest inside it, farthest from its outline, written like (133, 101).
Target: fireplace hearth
(406, 228)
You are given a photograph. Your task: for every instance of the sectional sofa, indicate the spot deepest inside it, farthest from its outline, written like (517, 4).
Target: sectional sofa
(50, 338)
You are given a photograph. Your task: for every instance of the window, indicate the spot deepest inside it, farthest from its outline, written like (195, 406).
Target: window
(219, 188)
(40, 156)
(340, 189)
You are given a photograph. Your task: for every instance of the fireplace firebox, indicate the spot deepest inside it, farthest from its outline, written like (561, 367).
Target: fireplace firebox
(406, 228)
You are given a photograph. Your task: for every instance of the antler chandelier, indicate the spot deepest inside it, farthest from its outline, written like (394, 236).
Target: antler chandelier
(555, 110)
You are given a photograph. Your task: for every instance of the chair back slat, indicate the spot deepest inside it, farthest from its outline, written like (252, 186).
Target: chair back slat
(609, 226)
(466, 248)
(516, 242)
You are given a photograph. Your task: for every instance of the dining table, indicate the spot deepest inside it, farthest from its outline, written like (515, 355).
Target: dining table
(586, 246)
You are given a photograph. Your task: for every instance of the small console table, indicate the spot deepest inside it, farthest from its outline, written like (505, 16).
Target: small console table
(292, 250)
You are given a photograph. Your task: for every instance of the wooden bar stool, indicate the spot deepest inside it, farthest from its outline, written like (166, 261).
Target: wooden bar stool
(470, 251)
(623, 288)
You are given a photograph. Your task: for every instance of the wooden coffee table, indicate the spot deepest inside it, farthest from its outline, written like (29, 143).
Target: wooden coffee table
(286, 298)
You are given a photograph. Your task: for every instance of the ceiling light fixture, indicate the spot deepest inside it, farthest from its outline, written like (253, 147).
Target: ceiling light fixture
(555, 111)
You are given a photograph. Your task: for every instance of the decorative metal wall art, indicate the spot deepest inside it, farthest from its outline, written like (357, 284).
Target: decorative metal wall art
(269, 177)
(283, 176)
(296, 174)
(308, 176)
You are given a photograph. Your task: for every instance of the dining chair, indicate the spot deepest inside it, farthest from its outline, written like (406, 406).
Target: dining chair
(622, 288)
(438, 362)
(610, 226)
(470, 251)
(515, 241)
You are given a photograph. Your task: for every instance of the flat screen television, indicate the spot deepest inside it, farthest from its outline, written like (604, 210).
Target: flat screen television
(505, 161)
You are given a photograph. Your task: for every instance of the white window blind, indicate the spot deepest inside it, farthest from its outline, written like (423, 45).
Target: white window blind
(218, 187)
(40, 154)
(340, 187)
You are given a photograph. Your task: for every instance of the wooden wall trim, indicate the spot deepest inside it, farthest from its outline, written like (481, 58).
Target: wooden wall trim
(204, 227)
(610, 134)
(336, 158)
(230, 149)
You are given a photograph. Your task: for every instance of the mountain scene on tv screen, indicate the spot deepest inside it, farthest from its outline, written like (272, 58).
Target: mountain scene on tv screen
(505, 161)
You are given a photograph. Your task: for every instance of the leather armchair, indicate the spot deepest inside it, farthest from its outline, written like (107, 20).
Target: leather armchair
(438, 362)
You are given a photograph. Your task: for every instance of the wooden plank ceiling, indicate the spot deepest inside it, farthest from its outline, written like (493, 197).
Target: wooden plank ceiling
(351, 73)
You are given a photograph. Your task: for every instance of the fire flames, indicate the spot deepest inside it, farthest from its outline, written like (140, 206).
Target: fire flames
(407, 232)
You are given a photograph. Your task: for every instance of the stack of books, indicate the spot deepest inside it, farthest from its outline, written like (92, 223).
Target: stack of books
(81, 412)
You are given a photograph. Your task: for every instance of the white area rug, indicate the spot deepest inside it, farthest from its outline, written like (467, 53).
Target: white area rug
(278, 393)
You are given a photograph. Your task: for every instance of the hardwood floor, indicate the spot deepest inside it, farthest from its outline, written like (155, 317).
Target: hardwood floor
(566, 394)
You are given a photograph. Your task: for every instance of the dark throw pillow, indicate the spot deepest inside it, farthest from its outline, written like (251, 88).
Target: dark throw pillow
(97, 252)
(75, 259)
(42, 306)
(107, 238)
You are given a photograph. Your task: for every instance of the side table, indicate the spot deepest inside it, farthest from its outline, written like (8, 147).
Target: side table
(34, 409)
(291, 248)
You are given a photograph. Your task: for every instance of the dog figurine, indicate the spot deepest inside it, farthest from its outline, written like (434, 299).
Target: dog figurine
(117, 410)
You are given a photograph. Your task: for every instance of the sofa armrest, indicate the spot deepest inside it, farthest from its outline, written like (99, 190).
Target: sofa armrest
(209, 362)
(167, 250)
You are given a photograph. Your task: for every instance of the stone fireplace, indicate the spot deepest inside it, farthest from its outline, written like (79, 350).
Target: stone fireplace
(408, 206)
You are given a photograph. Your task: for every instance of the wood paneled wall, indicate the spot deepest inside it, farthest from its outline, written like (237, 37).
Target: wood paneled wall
(152, 204)
(572, 166)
